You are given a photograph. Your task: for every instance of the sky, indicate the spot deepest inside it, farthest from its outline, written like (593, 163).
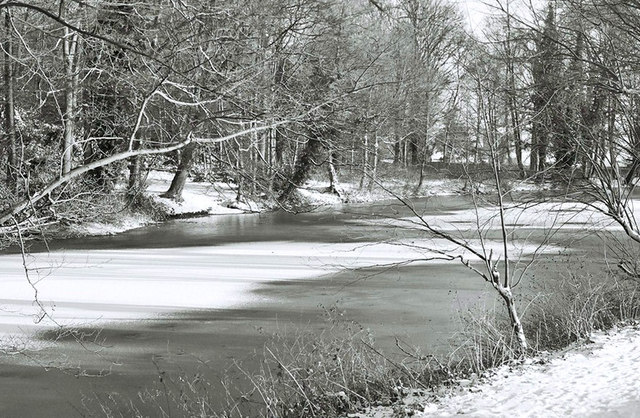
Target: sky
(476, 11)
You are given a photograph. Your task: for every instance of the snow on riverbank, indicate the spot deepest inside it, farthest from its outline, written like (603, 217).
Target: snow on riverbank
(594, 380)
(315, 191)
(205, 198)
(198, 198)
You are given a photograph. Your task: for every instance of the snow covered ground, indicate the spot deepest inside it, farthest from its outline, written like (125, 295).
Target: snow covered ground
(595, 380)
(350, 192)
(198, 198)
(205, 197)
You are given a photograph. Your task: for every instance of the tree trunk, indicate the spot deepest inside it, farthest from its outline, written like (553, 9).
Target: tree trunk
(397, 146)
(507, 137)
(239, 174)
(476, 150)
(70, 55)
(517, 138)
(533, 150)
(446, 156)
(421, 179)
(513, 110)
(412, 152)
(542, 155)
(425, 157)
(182, 172)
(279, 147)
(611, 141)
(333, 173)
(302, 167)
(134, 186)
(635, 154)
(514, 318)
(278, 79)
(374, 168)
(365, 161)
(9, 106)
(135, 164)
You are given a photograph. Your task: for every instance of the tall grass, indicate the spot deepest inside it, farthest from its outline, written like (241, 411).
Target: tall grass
(579, 304)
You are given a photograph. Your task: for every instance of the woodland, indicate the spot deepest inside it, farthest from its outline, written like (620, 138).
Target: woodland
(96, 93)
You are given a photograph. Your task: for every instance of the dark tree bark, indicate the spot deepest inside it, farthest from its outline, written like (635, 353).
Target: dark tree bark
(512, 107)
(302, 167)
(397, 151)
(517, 136)
(279, 137)
(546, 72)
(135, 165)
(280, 142)
(9, 106)
(333, 172)
(635, 141)
(180, 178)
(414, 150)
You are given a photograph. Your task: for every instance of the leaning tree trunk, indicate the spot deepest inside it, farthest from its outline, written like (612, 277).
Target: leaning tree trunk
(514, 318)
(182, 172)
(135, 165)
(302, 167)
(333, 173)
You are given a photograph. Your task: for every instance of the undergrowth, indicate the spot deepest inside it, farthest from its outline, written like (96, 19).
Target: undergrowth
(579, 304)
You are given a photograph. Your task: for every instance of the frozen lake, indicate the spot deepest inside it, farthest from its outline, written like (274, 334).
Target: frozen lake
(194, 294)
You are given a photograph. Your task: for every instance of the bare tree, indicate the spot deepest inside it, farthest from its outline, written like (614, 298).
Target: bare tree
(9, 103)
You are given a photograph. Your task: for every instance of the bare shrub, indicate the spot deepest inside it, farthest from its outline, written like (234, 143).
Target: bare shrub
(488, 341)
(306, 373)
(579, 304)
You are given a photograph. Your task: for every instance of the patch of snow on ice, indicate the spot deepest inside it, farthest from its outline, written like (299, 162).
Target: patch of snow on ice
(548, 216)
(80, 287)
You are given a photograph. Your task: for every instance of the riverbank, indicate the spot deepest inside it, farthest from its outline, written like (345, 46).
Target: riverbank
(219, 198)
(597, 378)
(198, 199)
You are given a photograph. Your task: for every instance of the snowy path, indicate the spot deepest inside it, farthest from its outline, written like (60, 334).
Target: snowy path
(601, 379)
(596, 380)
